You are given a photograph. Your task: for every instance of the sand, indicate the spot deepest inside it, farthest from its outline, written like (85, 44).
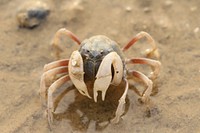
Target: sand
(23, 53)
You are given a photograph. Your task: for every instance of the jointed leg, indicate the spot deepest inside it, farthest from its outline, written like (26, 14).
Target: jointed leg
(155, 65)
(59, 63)
(147, 81)
(50, 105)
(149, 52)
(56, 40)
(121, 105)
(61, 67)
(47, 77)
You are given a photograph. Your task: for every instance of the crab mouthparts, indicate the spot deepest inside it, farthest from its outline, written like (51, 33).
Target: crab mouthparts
(90, 68)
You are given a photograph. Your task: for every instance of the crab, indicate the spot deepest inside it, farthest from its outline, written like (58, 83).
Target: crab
(101, 61)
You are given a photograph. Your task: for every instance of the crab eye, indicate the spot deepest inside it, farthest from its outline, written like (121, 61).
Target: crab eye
(86, 51)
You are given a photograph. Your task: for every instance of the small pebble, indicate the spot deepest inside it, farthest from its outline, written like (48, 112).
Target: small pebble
(147, 10)
(76, 5)
(194, 8)
(128, 9)
(196, 30)
(32, 13)
(168, 3)
(79, 113)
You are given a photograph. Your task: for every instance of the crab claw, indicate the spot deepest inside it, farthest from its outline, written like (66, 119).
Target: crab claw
(76, 73)
(104, 74)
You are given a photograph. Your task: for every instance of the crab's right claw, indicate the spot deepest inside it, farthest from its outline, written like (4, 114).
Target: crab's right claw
(104, 74)
(76, 73)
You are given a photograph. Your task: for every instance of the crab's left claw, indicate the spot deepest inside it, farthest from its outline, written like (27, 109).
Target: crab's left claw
(76, 73)
(104, 74)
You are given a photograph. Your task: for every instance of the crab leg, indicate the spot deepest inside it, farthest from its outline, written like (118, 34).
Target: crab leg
(104, 74)
(59, 63)
(121, 106)
(153, 63)
(50, 105)
(76, 73)
(149, 52)
(56, 40)
(47, 77)
(147, 81)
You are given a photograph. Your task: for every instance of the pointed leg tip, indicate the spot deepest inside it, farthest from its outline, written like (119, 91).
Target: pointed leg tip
(115, 120)
(152, 53)
(50, 120)
(144, 100)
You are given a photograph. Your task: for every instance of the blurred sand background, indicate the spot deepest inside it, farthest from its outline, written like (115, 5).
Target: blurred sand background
(23, 52)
